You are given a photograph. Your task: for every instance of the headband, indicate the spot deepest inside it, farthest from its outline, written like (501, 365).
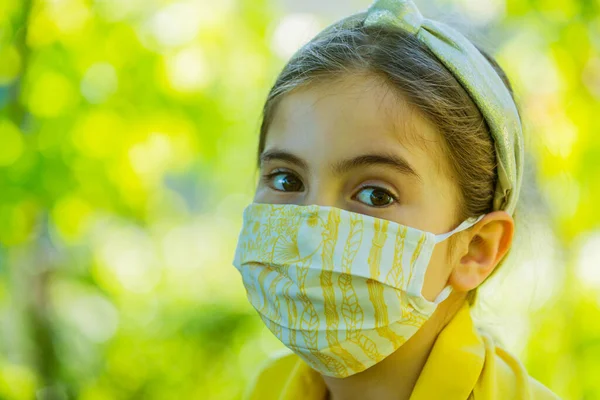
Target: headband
(477, 77)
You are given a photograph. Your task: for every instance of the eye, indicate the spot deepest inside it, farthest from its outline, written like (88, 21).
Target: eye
(285, 182)
(375, 197)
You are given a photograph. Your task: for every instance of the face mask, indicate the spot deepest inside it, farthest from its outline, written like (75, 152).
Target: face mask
(340, 289)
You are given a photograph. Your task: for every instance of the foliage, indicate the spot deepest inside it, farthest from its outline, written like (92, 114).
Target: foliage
(127, 137)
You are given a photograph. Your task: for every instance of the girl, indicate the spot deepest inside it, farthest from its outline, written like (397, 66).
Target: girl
(391, 161)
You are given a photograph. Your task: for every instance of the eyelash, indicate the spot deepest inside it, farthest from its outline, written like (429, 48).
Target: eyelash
(268, 180)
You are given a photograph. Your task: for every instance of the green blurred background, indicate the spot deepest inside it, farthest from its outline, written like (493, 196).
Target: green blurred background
(128, 131)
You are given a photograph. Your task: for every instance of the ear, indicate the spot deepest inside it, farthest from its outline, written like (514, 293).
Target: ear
(489, 241)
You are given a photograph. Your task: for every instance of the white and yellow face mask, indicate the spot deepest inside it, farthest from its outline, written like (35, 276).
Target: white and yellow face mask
(340, 289)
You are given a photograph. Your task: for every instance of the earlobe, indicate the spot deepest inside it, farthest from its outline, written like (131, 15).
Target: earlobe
(490, 240)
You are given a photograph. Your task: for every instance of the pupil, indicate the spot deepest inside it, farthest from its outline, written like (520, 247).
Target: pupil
(290, 184)
(379, 198)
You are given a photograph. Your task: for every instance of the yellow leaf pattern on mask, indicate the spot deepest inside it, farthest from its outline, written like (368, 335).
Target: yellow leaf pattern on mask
(251, 289)
(270, 312)
(309, 322)
(376, 288)
(395, 277)
(416, 255)
(291, 312)
(332, 318)
(318, 279)
(351, 308)
(412, 317)
(286, 250)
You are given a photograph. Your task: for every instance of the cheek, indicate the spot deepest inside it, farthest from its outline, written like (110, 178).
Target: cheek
(438, 272)
(267, 195)
(261, 193)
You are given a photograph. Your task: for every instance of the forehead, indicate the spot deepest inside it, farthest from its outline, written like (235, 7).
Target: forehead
(353, 115)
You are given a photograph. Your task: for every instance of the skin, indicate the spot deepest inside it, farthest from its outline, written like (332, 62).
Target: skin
(315, 131)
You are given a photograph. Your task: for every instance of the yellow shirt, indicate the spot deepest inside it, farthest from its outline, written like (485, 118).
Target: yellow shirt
(463, 364)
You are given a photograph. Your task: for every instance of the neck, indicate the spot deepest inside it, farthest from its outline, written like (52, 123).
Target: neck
(396, 376)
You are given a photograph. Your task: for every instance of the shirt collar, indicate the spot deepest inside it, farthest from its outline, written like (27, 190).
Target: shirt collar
(455, 362)
(304, 383)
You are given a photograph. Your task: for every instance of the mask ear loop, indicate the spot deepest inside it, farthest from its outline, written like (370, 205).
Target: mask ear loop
(468, 223)
(440, 238)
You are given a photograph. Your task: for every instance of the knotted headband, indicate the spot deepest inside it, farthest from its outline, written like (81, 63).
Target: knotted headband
(477, 76)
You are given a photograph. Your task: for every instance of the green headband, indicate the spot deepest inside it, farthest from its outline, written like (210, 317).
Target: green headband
(478, 78)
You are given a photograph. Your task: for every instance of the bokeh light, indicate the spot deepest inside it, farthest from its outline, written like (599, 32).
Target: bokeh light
(128, 131)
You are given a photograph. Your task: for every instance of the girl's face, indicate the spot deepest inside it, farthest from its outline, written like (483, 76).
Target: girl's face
(354, 145)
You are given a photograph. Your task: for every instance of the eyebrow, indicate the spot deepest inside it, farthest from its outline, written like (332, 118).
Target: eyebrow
(367, 160)
(279, 155)
(345, 166)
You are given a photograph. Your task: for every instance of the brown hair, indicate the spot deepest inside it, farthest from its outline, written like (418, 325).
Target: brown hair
(406, 64)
